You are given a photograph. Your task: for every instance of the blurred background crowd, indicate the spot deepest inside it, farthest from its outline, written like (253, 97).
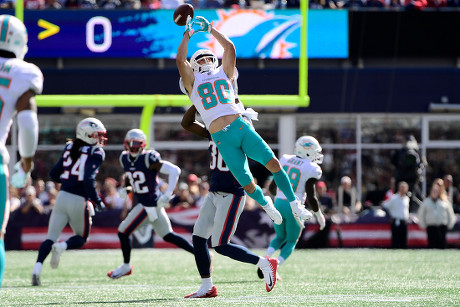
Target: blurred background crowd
(233, 4)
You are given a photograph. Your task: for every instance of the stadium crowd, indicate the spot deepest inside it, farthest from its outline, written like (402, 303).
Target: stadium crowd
(233, 4)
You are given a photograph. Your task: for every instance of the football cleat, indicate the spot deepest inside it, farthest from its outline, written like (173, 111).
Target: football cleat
(260, 273)
(269, 272)
(321, 220)
(36, 280)
(123, 270)
(300, 211)
(270, 209)
(56, 251)
(201, 293)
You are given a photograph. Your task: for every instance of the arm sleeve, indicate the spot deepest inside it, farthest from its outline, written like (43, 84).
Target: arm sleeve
(173, 173)
(56, 171)
(27, 133)
(91, 169)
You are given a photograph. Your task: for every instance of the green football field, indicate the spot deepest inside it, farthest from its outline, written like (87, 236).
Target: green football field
(161, 277)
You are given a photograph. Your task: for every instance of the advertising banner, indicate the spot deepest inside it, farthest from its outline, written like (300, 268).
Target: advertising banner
(153, 34)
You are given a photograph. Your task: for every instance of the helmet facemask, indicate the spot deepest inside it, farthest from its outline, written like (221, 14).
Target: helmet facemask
(210, 61)
(135, 142)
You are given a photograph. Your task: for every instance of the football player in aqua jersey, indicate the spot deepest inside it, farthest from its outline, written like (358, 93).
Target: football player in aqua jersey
(219, 217)
(303, 171)
(76, 170)
(210, 89)
(19, 83)
(142, 167)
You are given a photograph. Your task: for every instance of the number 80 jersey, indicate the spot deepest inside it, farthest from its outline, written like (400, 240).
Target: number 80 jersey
(213, 95)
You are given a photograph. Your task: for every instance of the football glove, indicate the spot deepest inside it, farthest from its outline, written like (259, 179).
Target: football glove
(19, 178)
(189, 26)
(163, 200)
(100, 206)
(203, 23)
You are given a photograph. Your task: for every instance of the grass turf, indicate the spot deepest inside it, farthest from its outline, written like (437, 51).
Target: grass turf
(161, 277)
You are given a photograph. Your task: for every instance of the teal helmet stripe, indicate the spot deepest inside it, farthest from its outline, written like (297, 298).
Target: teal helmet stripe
(4, 30)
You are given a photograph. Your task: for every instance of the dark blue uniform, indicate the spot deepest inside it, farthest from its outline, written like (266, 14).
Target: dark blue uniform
(143, 180)
(78, 177)
(220, 178)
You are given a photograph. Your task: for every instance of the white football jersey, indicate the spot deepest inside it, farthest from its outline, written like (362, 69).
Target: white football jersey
(213, 95)
(299, 171)
(16, 77)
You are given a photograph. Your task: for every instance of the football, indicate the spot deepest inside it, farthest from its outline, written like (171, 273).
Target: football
(182, 12)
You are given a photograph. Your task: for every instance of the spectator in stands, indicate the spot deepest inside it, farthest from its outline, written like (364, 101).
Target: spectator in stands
(453, 3)
(453, 194)
(72, 4)
(151, 4)
(398, 209)
(354, 4)
(416, 5)
(34, 4)
(213, 4)
(436, 3)
(204, 191)
(346, 197)
(442, 189)
(436, 216)
(233, 4)
(53, 4)
(171, 4)
(327, 206)
(7, 4)
(88, 4)
(112, 198)
(197, 4)
(15, 201)
(110, 4)
(30, 204)
(409, 168)
(374, 3)
(183, 198)
(193, 185)
(132, 4)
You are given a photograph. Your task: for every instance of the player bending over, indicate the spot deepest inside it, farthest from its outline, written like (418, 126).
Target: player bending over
(303, 171)
(219, 217)
(76, 170)
(19, 83)
(142, 167)
(210, 89)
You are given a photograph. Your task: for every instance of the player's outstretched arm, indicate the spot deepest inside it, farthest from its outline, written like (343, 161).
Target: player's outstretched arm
(190, 123)
(229, 56)
(26, 108)
(311, 194)
(185, 69)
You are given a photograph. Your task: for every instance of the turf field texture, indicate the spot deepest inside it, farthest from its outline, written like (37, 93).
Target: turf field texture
(162, 277)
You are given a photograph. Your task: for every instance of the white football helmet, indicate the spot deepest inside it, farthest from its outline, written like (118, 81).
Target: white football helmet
(13, 36)
(135, 142)
(92, 131)
(307, 147)
(203, 54)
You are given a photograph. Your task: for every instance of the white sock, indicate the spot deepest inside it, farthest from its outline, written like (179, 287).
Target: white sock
(263, 262)
(37, 268)
(270, 251)
(206, 283)
(281, 260)
(318, 214)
